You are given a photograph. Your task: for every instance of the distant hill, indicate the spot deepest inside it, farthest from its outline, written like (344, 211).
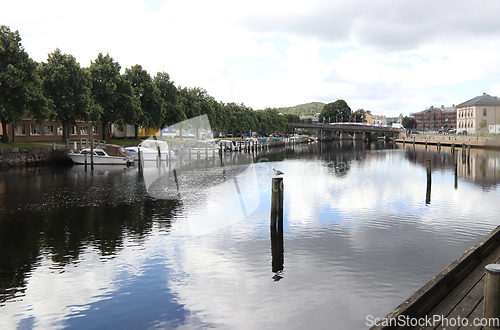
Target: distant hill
(303, 109)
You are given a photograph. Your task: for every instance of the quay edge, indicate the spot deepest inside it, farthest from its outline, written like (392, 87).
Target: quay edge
(443, 140)
(24, 157)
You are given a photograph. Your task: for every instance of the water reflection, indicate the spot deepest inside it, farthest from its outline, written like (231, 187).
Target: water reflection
(478, 166)
(116, 249)
(67, 211)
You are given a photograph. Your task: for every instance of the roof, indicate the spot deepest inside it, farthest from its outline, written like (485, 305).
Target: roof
(484, 99)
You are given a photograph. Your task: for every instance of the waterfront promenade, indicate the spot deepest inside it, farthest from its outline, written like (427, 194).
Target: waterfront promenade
(452, 140)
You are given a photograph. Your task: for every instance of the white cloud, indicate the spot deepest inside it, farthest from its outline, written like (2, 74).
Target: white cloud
(392, 53)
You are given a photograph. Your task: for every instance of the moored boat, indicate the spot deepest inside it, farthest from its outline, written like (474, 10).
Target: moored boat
(149, 150)
(108, 156)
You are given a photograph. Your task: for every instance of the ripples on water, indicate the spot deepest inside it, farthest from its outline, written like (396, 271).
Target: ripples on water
(123, 249)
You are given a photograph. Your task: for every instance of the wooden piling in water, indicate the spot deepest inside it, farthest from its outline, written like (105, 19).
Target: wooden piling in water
(277, 202)
(429, 181)
(139, 163)
(176, 182)
(456, 170)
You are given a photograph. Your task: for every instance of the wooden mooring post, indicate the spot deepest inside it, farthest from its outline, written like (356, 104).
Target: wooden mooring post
(492, 295)
(277, 202)
(429, 181)
(277, 251)
(139, 160)
(456, 170)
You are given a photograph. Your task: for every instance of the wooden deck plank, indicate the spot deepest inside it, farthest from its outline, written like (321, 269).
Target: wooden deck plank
(473, 283)
(465, 308)
(476, 314)
(461, 309)
(464, 298)
(461, 290)
(456, 291)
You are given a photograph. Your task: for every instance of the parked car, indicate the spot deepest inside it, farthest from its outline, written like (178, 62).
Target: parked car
(452, 131)
(462, 132)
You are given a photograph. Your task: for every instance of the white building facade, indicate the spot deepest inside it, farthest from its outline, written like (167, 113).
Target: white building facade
(476, 115)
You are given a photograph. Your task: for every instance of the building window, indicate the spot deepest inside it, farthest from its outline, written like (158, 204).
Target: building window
(484, 112)
(35, 129)
(84, 130)
(72, 130)
(95, 130)
(20, 130)
(48, 130)
(59, 130)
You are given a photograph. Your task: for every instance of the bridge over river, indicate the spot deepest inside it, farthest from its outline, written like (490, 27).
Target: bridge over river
(341, 130)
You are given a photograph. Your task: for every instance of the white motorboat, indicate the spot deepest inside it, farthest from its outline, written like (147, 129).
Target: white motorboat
(149, 150)
(200, 146)
(227, 145)
(108, 156)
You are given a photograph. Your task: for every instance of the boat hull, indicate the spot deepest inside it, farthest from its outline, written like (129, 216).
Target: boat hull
(98, 160)
(148, 154)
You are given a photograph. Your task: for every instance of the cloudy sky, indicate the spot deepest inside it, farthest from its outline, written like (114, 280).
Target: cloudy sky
(387, 56)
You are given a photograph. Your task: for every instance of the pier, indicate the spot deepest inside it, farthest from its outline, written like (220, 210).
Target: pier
(449, 140)
(455, 293)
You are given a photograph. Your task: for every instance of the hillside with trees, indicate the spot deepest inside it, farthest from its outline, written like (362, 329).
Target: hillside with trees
(303, 109)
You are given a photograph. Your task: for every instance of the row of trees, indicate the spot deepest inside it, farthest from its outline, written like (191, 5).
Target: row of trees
(61, 90)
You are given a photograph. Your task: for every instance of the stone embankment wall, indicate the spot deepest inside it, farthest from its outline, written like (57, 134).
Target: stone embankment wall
(17, 157)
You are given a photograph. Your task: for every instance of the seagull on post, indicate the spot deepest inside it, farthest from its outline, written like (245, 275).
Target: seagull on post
(277, 172)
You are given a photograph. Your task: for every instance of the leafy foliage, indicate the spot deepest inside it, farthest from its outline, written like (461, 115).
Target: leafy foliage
(61, 90)
(337, 111)
(112, 93)
(151, 114)
(303, 109)
(20, 85)
(409, 122)
(360, 115)
(67, 87)
(171, 99)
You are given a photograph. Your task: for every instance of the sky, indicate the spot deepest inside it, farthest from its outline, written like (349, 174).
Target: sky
(387, 56)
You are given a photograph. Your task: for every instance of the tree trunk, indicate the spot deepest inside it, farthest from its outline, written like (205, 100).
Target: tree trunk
(104, 133)
(5, 135)
(65, 131)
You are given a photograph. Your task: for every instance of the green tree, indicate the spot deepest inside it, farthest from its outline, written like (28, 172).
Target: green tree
(127, 106)
(360, 115)
(152, 111)
(171, 98)
(291, 118)
(409, 122)
(482, 123)
(67, 88)
(20, 85)
(335, 111)
(105, 75)
(270, 121)
(221, 117)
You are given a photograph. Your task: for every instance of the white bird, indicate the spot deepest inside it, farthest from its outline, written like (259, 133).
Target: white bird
(277, 172)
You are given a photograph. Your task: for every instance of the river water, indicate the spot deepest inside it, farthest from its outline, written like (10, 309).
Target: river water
(118, 248)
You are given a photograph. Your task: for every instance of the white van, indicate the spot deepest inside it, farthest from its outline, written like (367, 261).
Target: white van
(397, 125)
